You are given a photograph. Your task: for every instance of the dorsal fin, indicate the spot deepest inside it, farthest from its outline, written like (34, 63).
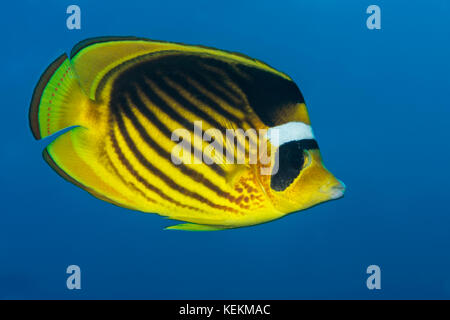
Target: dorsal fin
(93, 58)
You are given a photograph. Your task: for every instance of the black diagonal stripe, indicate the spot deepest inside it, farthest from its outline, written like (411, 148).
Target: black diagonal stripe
(183, 102)
(220, 85)
(160, 103)
(218, 70)
(234, 75)
(180, 79)
(139, 178)
(195, 175)
(148, 114)
(122, 179)
(172, 113)
(207, 78)
(157, 172)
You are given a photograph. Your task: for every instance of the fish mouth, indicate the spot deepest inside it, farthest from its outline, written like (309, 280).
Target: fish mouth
(335, 191)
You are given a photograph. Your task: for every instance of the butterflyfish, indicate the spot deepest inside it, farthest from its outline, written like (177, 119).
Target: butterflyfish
(148, 126)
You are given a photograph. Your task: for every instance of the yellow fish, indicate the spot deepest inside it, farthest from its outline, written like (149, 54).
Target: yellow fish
(151, 126)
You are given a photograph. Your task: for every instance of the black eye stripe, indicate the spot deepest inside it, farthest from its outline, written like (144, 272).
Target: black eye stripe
(290, 162)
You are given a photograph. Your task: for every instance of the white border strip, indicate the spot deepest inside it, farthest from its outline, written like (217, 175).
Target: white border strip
(291, 131)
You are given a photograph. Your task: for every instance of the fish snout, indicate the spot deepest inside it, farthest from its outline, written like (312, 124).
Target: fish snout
(334, 189)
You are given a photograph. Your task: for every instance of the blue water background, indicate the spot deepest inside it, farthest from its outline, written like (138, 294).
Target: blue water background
(380, 108)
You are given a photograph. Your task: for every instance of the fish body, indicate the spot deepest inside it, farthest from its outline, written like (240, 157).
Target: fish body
(133, 101)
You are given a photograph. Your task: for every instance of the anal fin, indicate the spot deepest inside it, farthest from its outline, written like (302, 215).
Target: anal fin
(68, 156)
(196, 227)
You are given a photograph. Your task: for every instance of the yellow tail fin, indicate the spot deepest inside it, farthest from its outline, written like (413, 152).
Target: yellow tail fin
(58, 101)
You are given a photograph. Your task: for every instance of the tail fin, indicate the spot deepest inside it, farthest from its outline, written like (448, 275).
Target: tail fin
(58, 100)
